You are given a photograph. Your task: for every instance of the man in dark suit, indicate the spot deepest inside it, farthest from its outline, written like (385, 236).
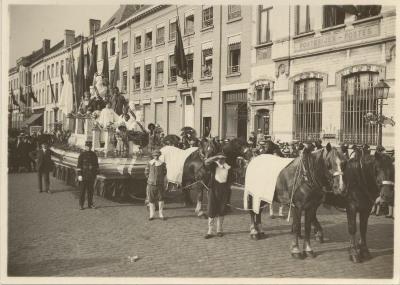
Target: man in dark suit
(87, 169)
(44, 165)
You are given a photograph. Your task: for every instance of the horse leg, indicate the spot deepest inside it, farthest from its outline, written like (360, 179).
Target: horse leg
(318, 232)
(352, 228)
(253, 226)
(364, 252)
(259, 228)
(295, 250)
(187, 200)
(308, 217)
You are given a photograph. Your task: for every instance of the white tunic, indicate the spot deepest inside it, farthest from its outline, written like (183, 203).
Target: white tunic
(107, 116)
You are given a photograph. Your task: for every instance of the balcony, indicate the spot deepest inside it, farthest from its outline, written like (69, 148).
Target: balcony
(233, 69)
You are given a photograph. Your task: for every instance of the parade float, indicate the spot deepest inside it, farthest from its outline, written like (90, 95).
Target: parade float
(121, 172)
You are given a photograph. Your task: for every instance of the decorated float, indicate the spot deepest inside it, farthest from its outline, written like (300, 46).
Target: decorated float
(120, 143)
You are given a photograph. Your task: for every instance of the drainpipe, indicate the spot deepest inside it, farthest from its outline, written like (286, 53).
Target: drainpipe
(220, 106)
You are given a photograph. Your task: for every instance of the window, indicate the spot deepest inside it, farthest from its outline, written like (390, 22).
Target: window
(207, 59)
(234, 12)
(52, 70)
(160, 35)
(56, 95)
(207, 17)
(307, 109)
(138, 43)
(189, 59)
(57, 68)
(333, 16)
(303, 24)
(104, 49)
(96, 49)
(263, 92)
(172, 30)
(48, 94)
(234, 58)
(189, 24)
(137, 78)
(358, 99)
(264, 34)
(62, 67)
(112, 46)
(365, 11)
(124, 49)
(124, 86)
(34, 78)
(160, 73)
(148, 40)
(147, 76)
(172, 69)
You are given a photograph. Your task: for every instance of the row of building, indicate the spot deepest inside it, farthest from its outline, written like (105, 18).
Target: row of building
(295, 72)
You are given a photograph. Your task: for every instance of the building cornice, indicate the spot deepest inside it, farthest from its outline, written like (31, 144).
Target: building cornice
(141, 15)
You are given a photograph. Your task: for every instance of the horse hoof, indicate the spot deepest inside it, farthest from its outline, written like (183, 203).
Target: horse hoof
(254, 237)
(298, 255)
(365, 255)
(310, 254)
(355, 258)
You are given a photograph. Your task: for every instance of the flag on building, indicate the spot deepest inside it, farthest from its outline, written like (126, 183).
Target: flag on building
(22, 96)
(180, 57)
(106, 67)
(32, 95)
(80, 75)
(93, 62)
(53, 96)
(14, 100)
(67, 97)
(87, 83)
(115, 76)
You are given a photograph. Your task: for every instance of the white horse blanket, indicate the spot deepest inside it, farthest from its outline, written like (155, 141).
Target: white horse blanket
(261, 176)
(175, 159)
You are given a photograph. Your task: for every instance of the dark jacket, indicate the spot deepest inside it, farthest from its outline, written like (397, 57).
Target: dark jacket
(118, 104)
(88, 165)
(155, 174)
(212, 166)
(44, 162)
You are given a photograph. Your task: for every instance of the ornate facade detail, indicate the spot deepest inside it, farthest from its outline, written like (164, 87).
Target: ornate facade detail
(282, 68)
(390, 51)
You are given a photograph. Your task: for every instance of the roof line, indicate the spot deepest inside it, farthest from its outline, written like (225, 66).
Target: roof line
(140, 15)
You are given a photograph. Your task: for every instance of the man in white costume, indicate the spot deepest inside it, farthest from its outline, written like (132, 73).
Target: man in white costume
(108, 116)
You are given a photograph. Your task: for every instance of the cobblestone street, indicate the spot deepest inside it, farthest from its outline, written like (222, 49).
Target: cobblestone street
(50, 236)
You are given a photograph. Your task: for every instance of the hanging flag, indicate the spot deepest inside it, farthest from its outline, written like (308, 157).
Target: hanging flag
(22, 96)
(15, 102)
(73, 79)
(115, 78)
(106, 68)
(180, 57)
(80, 75)
(32, 95)
(93, 62)
(87, 83)
(53, 96)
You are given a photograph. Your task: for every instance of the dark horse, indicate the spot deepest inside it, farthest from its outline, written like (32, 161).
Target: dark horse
(304, 182)
(194, 171)
(366, 177)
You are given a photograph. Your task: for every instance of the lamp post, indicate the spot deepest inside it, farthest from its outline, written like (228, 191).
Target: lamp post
(381, 93)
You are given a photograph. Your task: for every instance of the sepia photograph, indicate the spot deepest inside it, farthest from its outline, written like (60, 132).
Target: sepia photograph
(194, 142)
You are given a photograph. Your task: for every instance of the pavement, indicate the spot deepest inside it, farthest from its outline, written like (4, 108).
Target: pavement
(49, 236)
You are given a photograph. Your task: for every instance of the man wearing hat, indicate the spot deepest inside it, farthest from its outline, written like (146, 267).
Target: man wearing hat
(219, 192)
(155, 172)
(87, 169)
(44, 165)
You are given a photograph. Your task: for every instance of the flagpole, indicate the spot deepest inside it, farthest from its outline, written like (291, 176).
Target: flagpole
(72, 67)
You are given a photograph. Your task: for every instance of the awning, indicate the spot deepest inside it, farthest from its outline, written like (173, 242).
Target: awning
(207, 45)
(234, 40)
(32, 119)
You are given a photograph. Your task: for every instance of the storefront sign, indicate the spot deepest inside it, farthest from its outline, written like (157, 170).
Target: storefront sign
(337, 37)
(329, 136)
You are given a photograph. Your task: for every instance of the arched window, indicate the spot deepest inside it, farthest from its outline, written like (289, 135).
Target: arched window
(358, 99)
(307, 109)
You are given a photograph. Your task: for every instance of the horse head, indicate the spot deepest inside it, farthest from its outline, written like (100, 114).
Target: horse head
(335, 163)
(209, 147)
(384, 171)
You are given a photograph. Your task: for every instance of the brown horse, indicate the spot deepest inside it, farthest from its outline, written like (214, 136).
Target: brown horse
(194, 172)
(366, 177)
(303, 184)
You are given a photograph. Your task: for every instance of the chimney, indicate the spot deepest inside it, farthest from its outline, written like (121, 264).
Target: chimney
(94, 26)
(45, 45)
(69, 37)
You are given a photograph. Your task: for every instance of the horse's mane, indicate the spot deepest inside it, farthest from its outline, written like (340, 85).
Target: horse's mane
(360, 175)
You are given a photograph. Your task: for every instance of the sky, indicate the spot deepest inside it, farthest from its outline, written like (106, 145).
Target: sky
(30, 24)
